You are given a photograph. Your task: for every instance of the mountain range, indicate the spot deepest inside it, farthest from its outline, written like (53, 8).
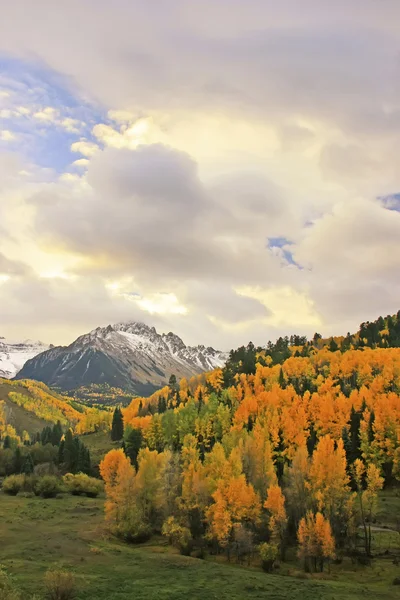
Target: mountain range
(131, 356)
(13, 355)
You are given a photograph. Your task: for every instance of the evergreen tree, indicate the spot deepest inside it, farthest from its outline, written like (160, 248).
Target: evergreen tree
(18, 461)
(7, 442)
(161, 406)
(117, 427)
(200, 401)
(46, 434)
(281, 379)
(371, 433)
(311, 440)
(172, 383)
(133, 443)
(28, 465)
(56, 434)
(60, 458)
(71, 450)
(333, 347)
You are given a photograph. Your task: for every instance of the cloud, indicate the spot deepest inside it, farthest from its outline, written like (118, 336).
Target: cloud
(231, 157)
(7, 136)
(11, 267)
(85, 147)
(47, 115)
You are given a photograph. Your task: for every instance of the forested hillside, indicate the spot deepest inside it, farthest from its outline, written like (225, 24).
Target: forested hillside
(286, 447)
(30, 405)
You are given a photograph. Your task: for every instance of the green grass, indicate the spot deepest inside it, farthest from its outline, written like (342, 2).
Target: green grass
(99, 444)
(36, 534)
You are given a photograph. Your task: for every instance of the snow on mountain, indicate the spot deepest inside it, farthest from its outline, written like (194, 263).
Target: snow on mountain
(13, 355)
(130, 355)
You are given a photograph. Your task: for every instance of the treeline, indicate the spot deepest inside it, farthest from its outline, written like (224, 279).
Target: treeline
(382, 333)
(50, 450)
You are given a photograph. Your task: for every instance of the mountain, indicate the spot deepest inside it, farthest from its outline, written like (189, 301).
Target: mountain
(13, 355)
(130, 356)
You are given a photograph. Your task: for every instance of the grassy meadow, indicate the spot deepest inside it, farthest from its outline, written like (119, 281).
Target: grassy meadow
(68, 532)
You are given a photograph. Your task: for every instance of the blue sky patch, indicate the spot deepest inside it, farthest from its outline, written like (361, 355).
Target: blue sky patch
(279, 247)
(391, 202)
(42, 115)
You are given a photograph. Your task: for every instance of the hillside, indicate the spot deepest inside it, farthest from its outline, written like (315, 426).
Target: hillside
(131, 356)
(26, 407)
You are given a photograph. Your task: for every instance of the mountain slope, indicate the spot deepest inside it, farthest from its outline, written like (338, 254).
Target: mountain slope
(13, 355)
(131, 356)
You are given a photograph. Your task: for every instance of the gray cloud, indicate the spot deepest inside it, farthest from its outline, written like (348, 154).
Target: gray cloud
(147, 211)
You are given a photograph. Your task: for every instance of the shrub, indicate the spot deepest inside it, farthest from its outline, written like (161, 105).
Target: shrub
(7, 591)
(60, 585)
(268, 554)
(132, 527)
(82, 484)
(26, 495)
(13, 484)
(48, 486)
(178, 535)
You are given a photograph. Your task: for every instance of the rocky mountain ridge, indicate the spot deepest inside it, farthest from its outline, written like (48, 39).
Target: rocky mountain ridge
(129, 355)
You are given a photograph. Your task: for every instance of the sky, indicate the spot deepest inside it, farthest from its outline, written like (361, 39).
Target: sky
(225, 169)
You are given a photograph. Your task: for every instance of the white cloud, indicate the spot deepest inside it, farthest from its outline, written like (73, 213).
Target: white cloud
(71, 125)
(84, 147)
(7, 136)
(81, 163)
(47, 115)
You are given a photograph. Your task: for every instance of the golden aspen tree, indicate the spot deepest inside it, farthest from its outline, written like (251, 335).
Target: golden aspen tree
(329, 483)
(275, 504)
(368, 497)
(235, 501)
(316, 542)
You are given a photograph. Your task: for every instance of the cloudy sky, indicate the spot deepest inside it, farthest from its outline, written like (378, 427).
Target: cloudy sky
(225, 169)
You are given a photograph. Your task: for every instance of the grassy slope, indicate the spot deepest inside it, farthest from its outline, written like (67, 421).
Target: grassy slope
(17, 416)
(36, 534)
(99, 444)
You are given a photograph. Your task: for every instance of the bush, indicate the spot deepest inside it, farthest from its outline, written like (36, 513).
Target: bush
(132, 527)
(60, 585)
(13, 484)
(48, 486)
(7, 591)
(178, 535)
(268, 554)
(82, 484)
(26, 495)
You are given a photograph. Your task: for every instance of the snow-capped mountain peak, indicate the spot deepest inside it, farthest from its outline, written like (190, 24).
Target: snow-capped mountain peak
(14, 354)
(129, 355)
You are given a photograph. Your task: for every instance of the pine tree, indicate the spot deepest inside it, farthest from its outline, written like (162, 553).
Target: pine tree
(133, 443)
(281, 379)
(117, 427)
(333, 347)
(172, 383)
(17, 466)
(71, 450)
(60, 458)
(28, 465)
(56, 434)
